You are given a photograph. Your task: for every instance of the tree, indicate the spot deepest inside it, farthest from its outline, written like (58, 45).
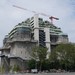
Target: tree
(39, 53)
(65, 55)
(31, 64)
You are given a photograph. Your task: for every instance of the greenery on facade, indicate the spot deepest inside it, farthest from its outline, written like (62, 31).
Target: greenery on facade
(43, 23)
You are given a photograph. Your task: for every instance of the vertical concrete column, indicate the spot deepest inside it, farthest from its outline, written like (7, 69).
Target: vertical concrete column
(47, 39)
(36, 28)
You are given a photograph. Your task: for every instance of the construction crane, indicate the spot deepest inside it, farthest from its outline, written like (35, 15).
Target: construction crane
(50, 17)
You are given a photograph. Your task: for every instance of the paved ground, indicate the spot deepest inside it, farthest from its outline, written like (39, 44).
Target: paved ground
(42, 74)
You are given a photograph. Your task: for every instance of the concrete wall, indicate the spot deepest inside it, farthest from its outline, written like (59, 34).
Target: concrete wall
(17, 61)
(22, 49)
(6, 52)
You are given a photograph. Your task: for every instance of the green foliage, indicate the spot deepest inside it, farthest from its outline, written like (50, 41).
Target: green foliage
(42, 53)
(31, 64)
(2, 69)
(16, 68)
(62, 57)
(46, 65)
(39, 53)
(64, 54)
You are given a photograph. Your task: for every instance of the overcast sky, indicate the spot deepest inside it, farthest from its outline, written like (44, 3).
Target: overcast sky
(63, 9)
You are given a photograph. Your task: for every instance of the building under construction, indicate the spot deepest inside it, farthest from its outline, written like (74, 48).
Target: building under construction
(18, 44)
